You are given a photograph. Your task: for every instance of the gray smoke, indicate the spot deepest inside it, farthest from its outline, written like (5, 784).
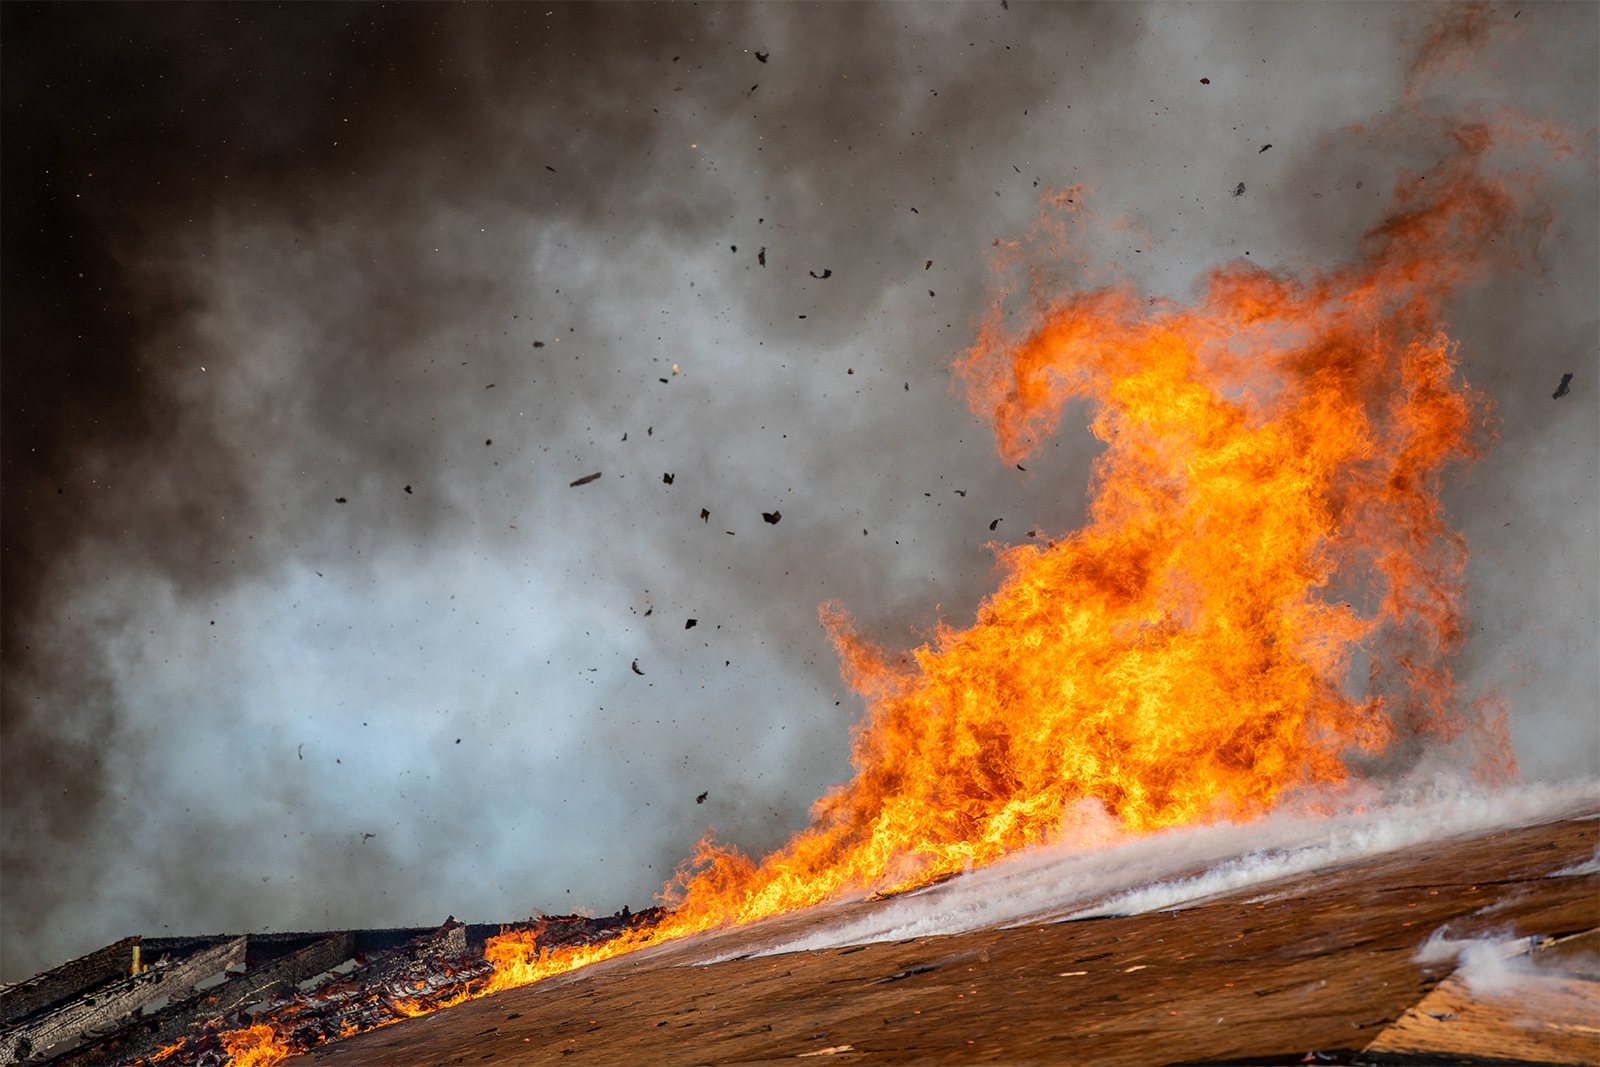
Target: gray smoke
(329, 640)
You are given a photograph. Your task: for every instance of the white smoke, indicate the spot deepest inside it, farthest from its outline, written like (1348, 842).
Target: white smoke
(1180, 867)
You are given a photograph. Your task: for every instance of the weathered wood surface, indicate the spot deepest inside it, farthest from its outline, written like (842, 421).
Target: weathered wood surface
(1533, 1018)
(1321, 962)
(63, 983)
(280, 976)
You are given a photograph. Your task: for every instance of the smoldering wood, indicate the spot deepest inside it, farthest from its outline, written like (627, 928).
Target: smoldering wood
(107, 1005)
(276, 964)
(384, 966)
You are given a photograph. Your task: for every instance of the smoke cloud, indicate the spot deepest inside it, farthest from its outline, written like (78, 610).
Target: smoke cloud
(314, 318)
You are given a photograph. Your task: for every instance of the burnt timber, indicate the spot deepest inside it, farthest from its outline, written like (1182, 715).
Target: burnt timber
(122, 1004)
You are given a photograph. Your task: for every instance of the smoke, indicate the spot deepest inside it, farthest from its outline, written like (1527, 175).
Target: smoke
(1082, 878)
(1492, 966)
(312, 321)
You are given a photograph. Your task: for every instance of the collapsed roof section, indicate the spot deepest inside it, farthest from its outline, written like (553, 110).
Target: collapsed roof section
(140, 996)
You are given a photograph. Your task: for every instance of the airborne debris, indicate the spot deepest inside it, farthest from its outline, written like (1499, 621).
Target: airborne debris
(826, 273)
(408, 489)
(1020, 467)
(1238, 190)
(636, 669)
(705, 516)
(340, 500)
(961, 492)
(1562, 390)
(667, 478)
(761, 256)
(701, 799)
(930, 292)
(995, 523)
(733, 248)
(585, 480)
(1264, 148)
(761, 57)
(487, 441)
(538, 344)
(689, 624)
(927, 265)
(1205, 81)
(772, 517)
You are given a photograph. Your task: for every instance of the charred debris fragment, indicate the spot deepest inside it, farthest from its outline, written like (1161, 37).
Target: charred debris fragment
(133, 999)
(1562, 389)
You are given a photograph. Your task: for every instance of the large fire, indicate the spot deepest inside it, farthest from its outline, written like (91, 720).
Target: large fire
(1266, 508)
(1265, 523)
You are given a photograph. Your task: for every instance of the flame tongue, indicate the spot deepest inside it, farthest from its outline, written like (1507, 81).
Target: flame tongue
(1265, 507)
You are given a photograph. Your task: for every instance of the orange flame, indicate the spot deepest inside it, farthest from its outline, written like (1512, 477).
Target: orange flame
(254, 1046)
(1266, 509)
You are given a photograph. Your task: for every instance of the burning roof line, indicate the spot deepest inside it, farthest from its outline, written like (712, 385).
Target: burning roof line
(130, 1000)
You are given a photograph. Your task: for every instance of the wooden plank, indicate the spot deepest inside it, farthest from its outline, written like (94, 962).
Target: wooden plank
(1535, 1018)
(280, 976)
(66, 982)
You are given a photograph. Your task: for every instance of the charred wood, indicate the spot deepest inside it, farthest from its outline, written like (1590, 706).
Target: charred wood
(108, 1005)
(143, 1036)
(66, 982)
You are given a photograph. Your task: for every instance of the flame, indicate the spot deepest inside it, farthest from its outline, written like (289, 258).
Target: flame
(1265, 513)
(254, 1046)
